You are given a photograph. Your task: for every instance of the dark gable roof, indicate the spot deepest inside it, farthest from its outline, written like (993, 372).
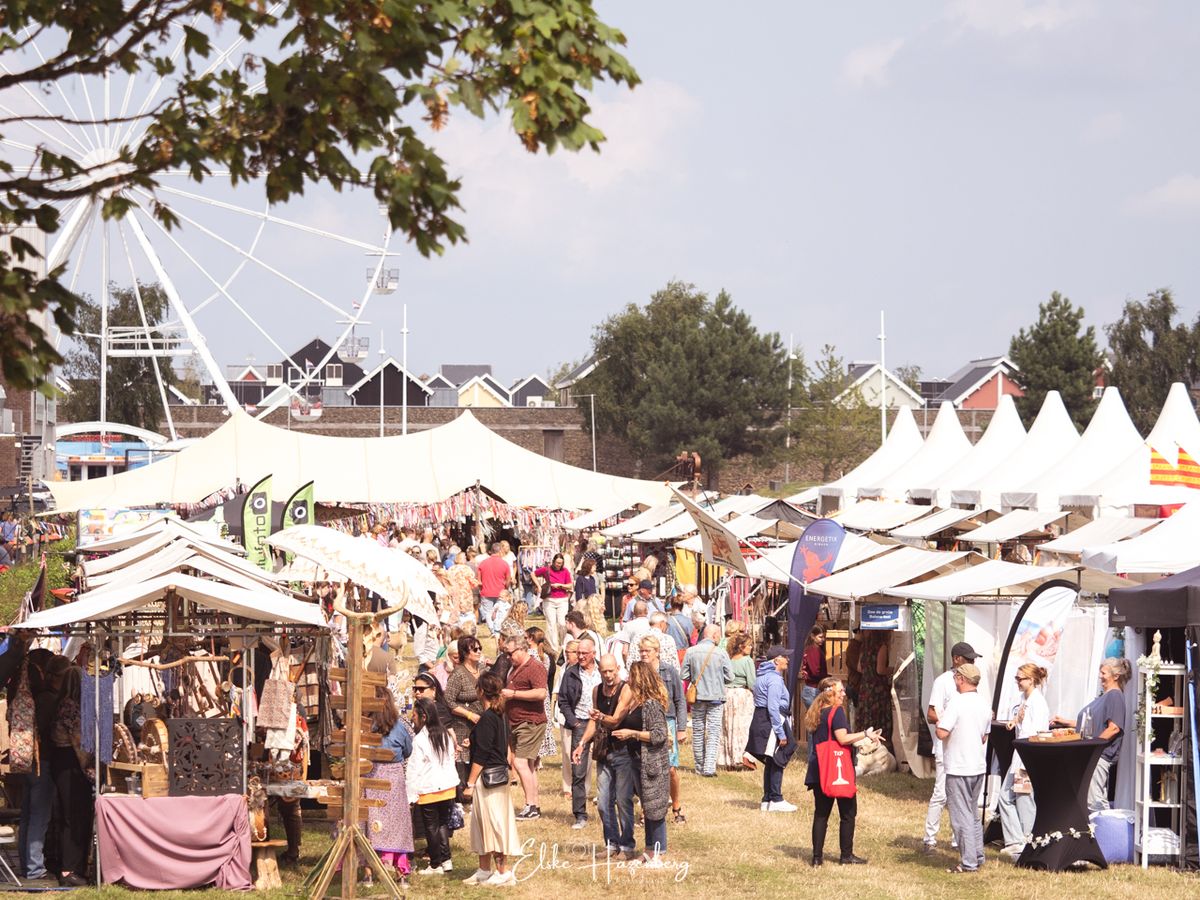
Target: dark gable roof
(439, 381)
(582, 370)
(857, 370)
(970, 375)
(496, 386)
(461, 374)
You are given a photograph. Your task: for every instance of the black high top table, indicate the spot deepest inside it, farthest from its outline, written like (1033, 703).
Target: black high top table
(1060, 773)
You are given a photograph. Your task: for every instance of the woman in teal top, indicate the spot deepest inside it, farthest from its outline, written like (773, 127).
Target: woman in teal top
(739, 706)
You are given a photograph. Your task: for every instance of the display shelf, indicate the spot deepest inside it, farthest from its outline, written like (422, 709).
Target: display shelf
(1154, 773)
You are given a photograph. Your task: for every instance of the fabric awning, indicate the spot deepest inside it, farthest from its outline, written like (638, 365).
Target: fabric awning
(655, 515)
(682, 525)
(879, 515)
(264, 605)
(778, 562)
(595, 517)
(744, 527)
(175, 527)
(895, 568)
(1105, 530)
(986, 578)
(1013, 525)
(1170, 546)
(931, 525)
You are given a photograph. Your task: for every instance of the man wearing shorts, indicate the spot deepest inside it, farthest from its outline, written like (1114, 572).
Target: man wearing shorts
(651, 652)
(525, 706)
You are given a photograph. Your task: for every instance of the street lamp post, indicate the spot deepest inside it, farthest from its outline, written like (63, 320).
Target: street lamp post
(404, 365)
(382, 379)
(787, 437)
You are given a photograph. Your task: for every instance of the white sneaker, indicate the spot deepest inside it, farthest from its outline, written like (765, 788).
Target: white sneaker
(780, 806)
(501, 879)
(479, 876)
(763, 806)
(430, 870)
(448, 866)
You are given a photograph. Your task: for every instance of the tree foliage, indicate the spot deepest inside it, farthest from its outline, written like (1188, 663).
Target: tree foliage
(133, 397)
(687, 372)
(321, 91)
(1149, 351)
(1057, 354)
(833, 429)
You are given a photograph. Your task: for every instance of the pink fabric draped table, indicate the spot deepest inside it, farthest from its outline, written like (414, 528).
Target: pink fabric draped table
(166, 843)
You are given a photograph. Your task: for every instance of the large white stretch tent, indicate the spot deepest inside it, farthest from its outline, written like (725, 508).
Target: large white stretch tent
(424, 467)
(1109, 437)
(1003, 436)
(945, 446)
(1128, 483)
(1050, 437)
(901, 443)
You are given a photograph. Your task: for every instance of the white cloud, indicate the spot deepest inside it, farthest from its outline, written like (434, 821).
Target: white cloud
(1179, 195)
(868, 65)
(1004, 18)
(1104, 127)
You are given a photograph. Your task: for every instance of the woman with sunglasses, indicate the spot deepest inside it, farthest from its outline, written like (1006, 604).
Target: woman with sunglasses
(463, 700)
(1030, 714)
(432, 781)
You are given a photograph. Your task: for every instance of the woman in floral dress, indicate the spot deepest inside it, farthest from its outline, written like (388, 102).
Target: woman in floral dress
(389, 827)
(463, 583)
(874, 707)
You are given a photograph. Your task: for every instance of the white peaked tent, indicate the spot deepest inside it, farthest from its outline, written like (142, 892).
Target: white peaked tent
(1169, 547)
(1128, 483)
(1050, 437)
(1104, 530)
(871, 577)
(424, 467)
(1109, 437)
(1003, 436)
(901, 443)
(945, 446)
(879, 515)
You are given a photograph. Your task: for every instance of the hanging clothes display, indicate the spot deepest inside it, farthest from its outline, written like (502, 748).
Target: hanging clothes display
(87, 714)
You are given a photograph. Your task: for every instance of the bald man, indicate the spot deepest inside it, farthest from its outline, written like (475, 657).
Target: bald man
(614, 772)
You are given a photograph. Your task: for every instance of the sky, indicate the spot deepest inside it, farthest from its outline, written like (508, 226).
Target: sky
(947, 163)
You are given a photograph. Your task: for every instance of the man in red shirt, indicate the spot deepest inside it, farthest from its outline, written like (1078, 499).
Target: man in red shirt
(525, 706)
(494, 576)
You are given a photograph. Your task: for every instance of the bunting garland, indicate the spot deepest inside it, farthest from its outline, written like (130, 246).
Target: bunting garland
(469, 503)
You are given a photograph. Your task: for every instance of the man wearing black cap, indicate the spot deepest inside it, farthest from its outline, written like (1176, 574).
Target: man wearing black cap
(944, 689)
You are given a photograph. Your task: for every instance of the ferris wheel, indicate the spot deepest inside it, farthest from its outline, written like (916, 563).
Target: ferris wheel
(235, 270)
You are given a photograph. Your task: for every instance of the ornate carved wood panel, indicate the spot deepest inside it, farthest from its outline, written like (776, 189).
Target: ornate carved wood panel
(205, 757)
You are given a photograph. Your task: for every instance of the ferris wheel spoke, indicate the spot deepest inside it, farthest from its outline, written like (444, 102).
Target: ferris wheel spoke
(225, 293)
(276, 220)
(254, 259)
(87, 97)
(59, 143)
(45, 109)
(137, 294)
(154, 89)
(29, 33)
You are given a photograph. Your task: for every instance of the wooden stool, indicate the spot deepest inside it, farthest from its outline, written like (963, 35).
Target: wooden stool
(266, 865)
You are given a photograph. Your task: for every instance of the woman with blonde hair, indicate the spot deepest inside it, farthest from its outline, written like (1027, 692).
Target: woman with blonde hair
(1029, 715)
(1104, 718)
(739, 705)
(826, 720)
(645, 727)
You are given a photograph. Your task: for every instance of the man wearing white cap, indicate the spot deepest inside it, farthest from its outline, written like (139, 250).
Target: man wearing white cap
(941, 694)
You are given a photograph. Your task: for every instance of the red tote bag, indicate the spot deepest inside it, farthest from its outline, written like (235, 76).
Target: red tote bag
(835, 765)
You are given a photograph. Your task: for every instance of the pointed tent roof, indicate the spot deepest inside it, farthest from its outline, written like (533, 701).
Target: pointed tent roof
(945, 446)
(1108, 439)
(425, 467)
(901, 443)
(1004, 434)
(1128, 483)
(1051, 435)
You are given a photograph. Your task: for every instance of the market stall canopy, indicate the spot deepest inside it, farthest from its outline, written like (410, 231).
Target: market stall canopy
(1050, 437)
(392, 574)
(1109, 437)
(898, 567)
(426, 467)
(264, 605)
(153, 542)
(989, 577)
(655, 515)
(936, 523)
(1105, 530)
(775, 564)
(1141, 478)
(898, 448)
(683, 525)
(879, 515)
(1171, 602)
(210, 533)
(808, 495)
(1003, 436)
(784, 511)
(591, 519)
(748, 526)
(1013, 525)
(1170, 546)
(944, 448)
(180, 556)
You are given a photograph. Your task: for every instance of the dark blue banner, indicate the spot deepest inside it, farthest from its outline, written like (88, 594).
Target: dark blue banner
(816, 553)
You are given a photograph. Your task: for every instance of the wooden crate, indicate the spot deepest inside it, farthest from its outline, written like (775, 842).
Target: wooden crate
(154, 777)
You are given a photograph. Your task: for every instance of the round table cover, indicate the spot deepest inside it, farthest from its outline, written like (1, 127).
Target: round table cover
(1060, 773)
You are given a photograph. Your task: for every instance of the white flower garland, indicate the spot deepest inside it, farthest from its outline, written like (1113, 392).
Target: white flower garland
(1046, 840)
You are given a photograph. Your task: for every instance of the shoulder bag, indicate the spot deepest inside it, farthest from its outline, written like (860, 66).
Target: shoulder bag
(835, 764)
(690, 694)
(600, 737)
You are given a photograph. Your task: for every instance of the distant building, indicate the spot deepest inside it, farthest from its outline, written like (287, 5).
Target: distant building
(532, 390)
(483, 391)
(566, 385)
(392, 376)
(981, 383)
(865, 378)
(444, 392)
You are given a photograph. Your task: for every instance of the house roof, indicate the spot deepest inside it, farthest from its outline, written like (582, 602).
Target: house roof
(433, 382)
(974, 375)
(496, 386)
(488, 385)
(858, 373)
(245, 373)
(524, 381)
(461, 374)
(583, 370)
(390, 361)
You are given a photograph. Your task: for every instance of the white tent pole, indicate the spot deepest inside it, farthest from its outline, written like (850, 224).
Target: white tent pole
(104, 297)
(882, 381)
(193, 333)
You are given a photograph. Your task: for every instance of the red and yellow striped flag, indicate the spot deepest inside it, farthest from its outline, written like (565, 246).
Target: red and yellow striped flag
(1161, 470)
(1189, 470)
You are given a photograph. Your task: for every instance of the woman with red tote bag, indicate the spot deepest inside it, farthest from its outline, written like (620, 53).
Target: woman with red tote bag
(830, 773)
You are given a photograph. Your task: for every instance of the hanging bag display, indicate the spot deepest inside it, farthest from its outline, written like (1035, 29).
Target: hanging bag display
(22, 733)
(278, 704)
(835, 764)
